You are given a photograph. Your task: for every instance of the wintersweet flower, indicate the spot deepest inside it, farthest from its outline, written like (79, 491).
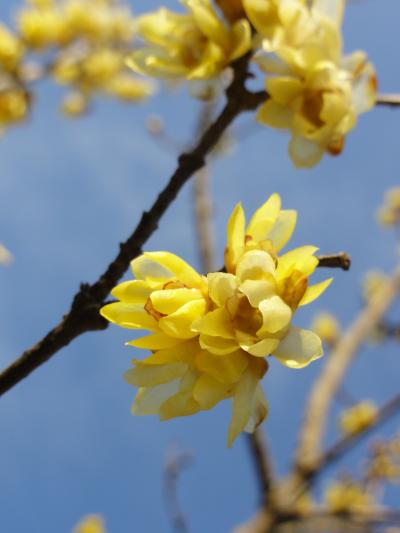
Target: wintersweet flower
(314, 91)
(326, 326)
(358, 417)
(348, 496)
(196, 46)
(232, 9)
(90, 524)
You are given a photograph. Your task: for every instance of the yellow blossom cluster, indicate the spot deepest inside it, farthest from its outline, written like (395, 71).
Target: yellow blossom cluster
(313, 89)
(348, 496)
(358, 417)
(211, 335)
(384, 464)
(389, 213)
(90, 524)
(89, 40)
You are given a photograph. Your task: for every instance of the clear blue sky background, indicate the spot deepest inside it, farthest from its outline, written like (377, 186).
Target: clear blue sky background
(69, 192)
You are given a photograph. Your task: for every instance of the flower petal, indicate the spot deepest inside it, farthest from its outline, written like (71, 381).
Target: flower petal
(264, 218)
(149, 400)
(283, 229)
(226, 369)
(258, 290)
(150, 376)
(314, 291)
(275, 115)
(262, 348)
(216, 323)
(255, 265)
(221, 286)
(259, 410)
(208, 391)
(299, 348)
(304, 152)
(167, 265)
(134, 291)
(276, 316)
(179, 324)
(155, 341)
(168, 301)
(129, 316)
(235, 237)
(217, 345)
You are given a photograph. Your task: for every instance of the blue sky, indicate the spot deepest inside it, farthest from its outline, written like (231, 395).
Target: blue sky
(69, 192)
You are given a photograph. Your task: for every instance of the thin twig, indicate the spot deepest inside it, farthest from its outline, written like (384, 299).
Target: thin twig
(339, 260)
(309, 453)
(84, 313)
(263, 468)
(390, 100)
(175, 464)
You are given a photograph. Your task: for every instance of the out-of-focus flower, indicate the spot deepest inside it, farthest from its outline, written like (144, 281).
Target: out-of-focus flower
(5, 255)
(232, 9)
(348, 496)
(372, 284)
(75, 104)
(358, 417)
(90, 524)
(196, 46)
(326, 327)
(389, 213)
(384, 464)
(11, 49)
(211, 335)
(14, 106)
(314, 91)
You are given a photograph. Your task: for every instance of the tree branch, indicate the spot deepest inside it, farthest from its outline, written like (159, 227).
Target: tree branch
(263, 468)
(339, 260)
(388, 100)
(84, 313)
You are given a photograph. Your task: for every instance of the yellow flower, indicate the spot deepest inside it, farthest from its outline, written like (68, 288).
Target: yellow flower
(389, 213)
(42, 27)
(90, 524)
(357, 418)
(347, 497)
(232, 9)
(11, 49)
(129, 88)
(326, 327)
(314, 91)
(75, 104)
(14, 106)
(210, 336)
(196, 46)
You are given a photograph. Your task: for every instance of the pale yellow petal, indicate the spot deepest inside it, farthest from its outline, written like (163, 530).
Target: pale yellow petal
(262, 348)
(259, 411)
(150, 376)
(264, 218)
(134, 291)
(299, 348)
(275, 115)
(145, 268)
(283, 229)
(149, 400)
(283, 89)
(217, 345)
(276, 316)
(216, 323)
(221, 286)
(183, 352)
(299, 259)
(332, 9)
(208, 391)
(258, 290)
(129, 316)
(155, 341)
(178, 267)
(255, 265)
(179, 324)
(314, 291)
(241, 37)
(304, 153)
(227, 369)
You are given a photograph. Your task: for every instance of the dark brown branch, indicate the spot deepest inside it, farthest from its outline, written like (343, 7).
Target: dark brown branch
(84, 313)
(262, 466)
(340, 260)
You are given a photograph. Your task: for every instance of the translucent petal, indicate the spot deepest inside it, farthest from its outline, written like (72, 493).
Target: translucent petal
(179, 324)
(215, 323)
(150, 376)
(264, 218)
(217, 345)
(144, 268)
(227, 369)
(170, 300)
(259, 411)
(235, 237)
(304, 152)
(221, 286)
(333, 9)
(314, 291)
(169, 263)
(364, 90)
(155, 341)
(262, 348)
(283, 89)
(283, 229)
(258, 290)
(208, 391)
(255, 265)
(129, 316)
(275, 115)
(276, 316)
(149, 400)
(299, 348)
(181, 353)
(243, 398)
(297, 259)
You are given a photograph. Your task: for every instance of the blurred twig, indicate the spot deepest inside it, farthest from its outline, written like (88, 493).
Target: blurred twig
(391, 100)
(175, 464)
(339, 260)
(263, 466)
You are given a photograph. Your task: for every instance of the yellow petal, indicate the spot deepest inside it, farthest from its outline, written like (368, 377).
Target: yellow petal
(264, 218)
(262, 348)
(181, 404)
(217, 345)
(149, 400)
(255, 265)
(227, 369)
(283, 89)
(275, 115)
(298, 259)
(332, 9)
(299, 348)
(258, 290)
(155, 341)
(283, 229)
(243, 398)
(150, 376)
(208, 23)
(314, 291)
(208, 391)
(168, 301)
(276, 315)
(129, 316)
(304, 152)
(259, 411)
(235, 237)
(179, 324)
(215, 323)
(241, 36)
(184, 352)
(221, 286)
(133, 292)
(166, 265)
